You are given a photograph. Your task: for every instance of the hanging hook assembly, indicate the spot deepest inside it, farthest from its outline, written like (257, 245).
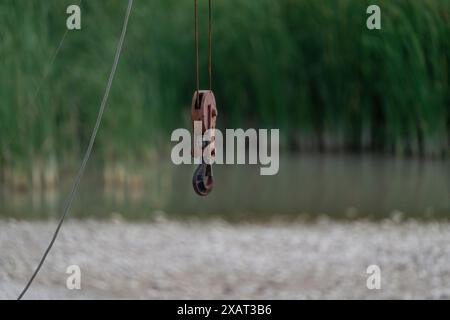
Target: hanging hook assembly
(204, 116)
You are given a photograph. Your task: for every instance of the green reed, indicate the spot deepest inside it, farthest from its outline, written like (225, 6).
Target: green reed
(310, 68)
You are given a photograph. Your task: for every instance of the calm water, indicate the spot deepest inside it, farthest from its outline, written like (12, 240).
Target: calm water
(306, 186)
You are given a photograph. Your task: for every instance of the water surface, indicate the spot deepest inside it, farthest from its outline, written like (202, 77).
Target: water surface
(340, 186)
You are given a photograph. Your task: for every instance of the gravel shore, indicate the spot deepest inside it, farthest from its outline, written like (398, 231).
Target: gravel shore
(217, 260)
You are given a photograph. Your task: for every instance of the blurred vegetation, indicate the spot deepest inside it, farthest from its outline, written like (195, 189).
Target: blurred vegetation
(308, 67)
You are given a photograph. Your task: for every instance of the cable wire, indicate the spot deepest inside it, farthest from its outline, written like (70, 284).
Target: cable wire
(87, 155)
(48, 68)
(197, 54)
(210, 44)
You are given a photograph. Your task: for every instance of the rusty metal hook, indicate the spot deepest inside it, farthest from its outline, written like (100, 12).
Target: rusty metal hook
(204, 113)
(203, 179)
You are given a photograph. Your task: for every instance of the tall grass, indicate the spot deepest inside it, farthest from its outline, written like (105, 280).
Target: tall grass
(310, 68)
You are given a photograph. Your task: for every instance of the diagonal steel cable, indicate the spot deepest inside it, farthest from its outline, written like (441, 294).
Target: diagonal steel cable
(87, 155)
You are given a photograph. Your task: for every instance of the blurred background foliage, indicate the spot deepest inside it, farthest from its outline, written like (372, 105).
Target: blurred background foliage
(310, 68)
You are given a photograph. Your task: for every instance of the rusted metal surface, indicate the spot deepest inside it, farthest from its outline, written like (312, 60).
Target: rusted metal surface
(204, 114)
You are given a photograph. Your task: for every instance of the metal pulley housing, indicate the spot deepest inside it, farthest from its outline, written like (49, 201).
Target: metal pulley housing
(204, 117)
